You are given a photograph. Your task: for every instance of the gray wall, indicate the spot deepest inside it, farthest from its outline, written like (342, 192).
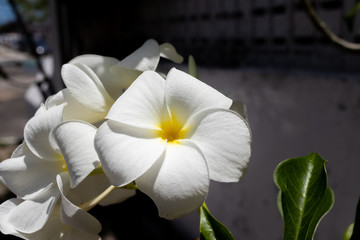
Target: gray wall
(291, 114)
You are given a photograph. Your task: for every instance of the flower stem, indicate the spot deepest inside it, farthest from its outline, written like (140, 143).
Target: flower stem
(93, 202)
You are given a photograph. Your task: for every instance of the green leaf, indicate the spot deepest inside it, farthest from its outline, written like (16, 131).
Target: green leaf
(192, 67)
(348, 232)
(210, 228)
(350, 16)
(355, 233)
(305, 197)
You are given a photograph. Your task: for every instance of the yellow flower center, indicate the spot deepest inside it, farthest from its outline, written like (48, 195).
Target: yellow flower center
(171, 130)
(62, 163)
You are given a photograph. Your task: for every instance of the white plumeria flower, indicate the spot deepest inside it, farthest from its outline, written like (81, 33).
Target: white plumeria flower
(94, 82)
(50, 147)
(80, 224)
(171, 137)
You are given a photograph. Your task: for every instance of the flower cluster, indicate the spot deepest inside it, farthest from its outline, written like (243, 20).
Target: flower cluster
(116, 127)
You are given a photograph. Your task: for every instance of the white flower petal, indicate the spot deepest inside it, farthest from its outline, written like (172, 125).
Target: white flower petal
(224, 138)
(5, 208)
(123, 78)
(30, 216)
(86, 87)
(21, 150)
(56, 99)
(168, 51)
(37, 130)
(186, 95)
(101, 66)
(126, 152)
(145, 58)
(76, 142)
(179, 182)
(142, 104)
(73, 215)
(27, 176)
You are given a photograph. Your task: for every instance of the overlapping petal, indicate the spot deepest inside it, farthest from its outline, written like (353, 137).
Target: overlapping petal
(127, 152)
(86, 87)
(28, 175)
(178, 182)
(224, 138)
(31, 215)
(73, 215)
(37, 132)
(76, 143)
(142, 104)
(185, 95)
(5, 208)
(144, 58)
(73, 109)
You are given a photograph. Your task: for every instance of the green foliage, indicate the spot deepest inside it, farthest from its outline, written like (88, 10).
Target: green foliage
(210, 228)
(350, 16)
(348, 232)
(305, 197)
(192, 67)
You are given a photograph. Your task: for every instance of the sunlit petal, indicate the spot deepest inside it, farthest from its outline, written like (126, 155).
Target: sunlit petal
(5, 208)
(76, 142)
(37, 132)
(224, 138)
(86, 87)
(28, 175)
(178, 183)
(186, 95)
(126, 152)
(73, 215)
(31, 215)
(142, 104)
(145, 58)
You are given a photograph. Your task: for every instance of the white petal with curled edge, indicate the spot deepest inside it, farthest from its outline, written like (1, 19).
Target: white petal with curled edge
(5, 208)
(142, 104)
(56, 99)
(37, 133)
(224, 137)
(77, 111)
(85, 87)
(21, 150)
(101, 65)
(186, 95)
(178, 183)
(73, 215)
(126, 152)
(76, 142)
(168, 51)
(30, 216)
(28, 176)
(145, 58)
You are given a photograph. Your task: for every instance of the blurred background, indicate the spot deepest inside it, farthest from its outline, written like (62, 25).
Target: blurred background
(301, 90)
